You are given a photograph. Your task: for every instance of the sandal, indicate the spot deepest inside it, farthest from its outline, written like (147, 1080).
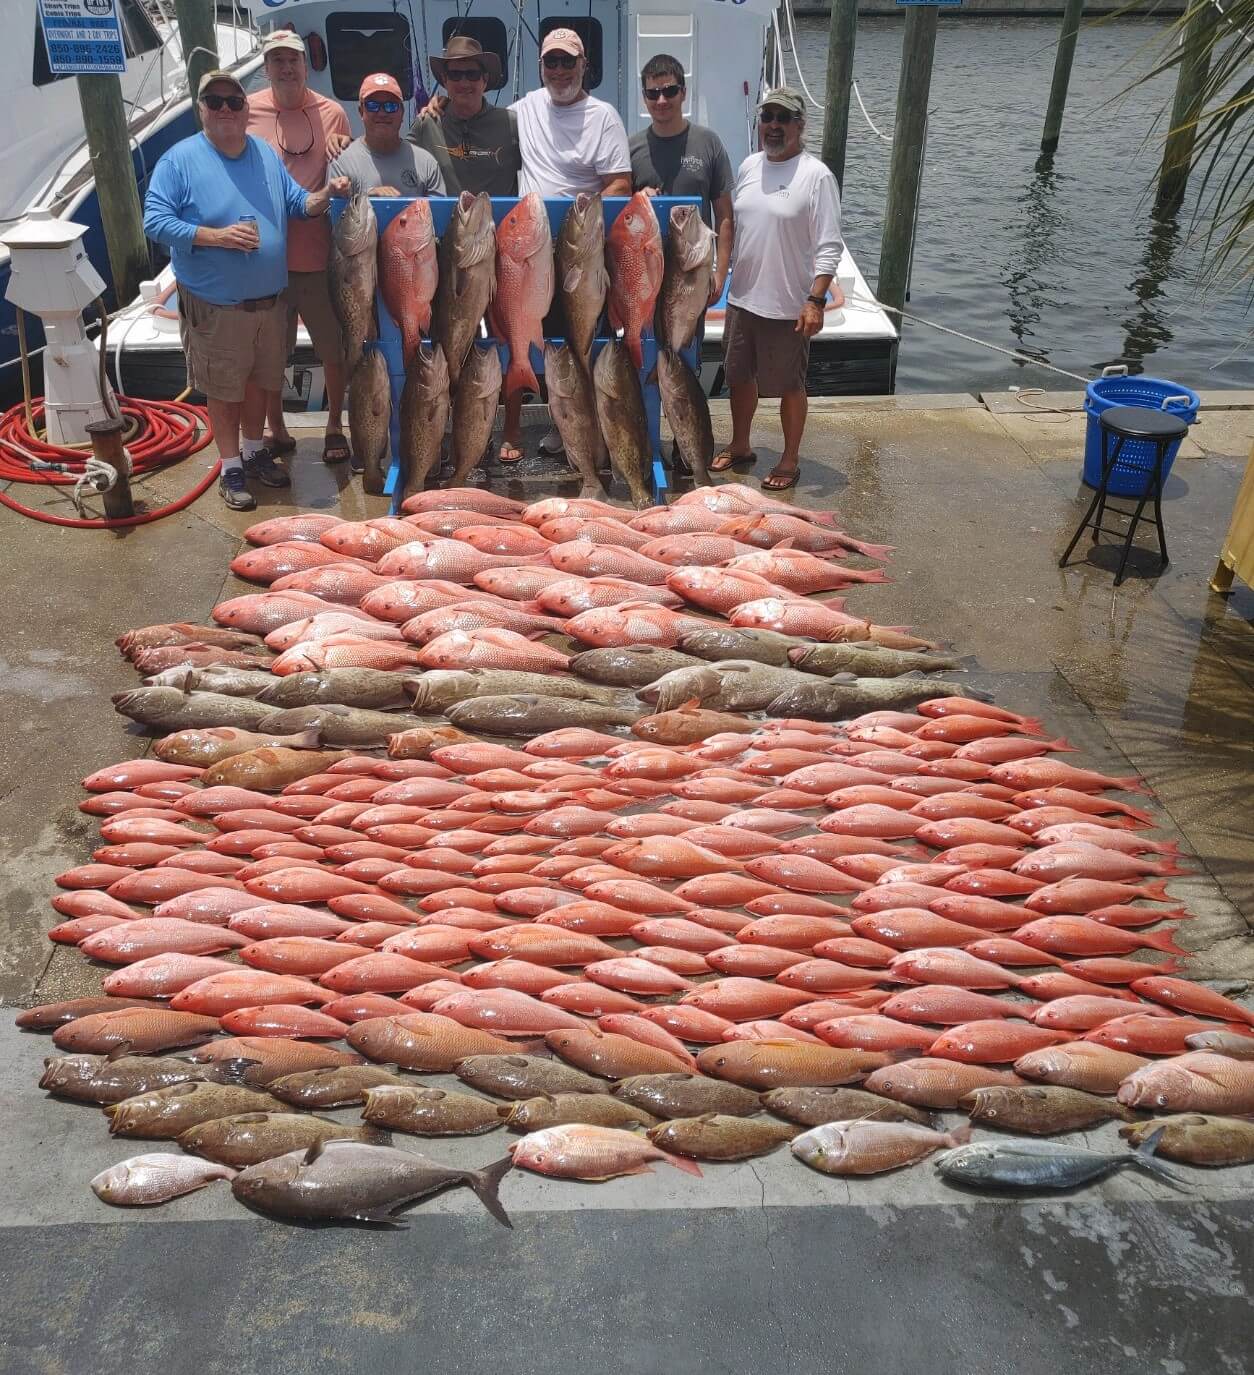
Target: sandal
(509, 452)
(335, 449)
(280, 447)
(725, 459)
(775, 481)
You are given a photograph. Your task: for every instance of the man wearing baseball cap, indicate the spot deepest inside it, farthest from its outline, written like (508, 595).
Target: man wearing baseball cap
(788, 246)
(381, 163)
(306, 130)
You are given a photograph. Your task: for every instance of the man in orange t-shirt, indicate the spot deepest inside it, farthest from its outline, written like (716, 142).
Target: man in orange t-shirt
(306, 130)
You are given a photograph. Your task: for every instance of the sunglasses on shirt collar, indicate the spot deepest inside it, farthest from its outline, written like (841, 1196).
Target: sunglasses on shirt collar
(566, 61)
(387, 107)
(662, 92)
(234, 103)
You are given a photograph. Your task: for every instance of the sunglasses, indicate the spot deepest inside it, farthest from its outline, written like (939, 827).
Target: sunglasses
(464, 74)
(234, 103)
(662, 92)
(776, 117)
(565, 61)
(387, 107)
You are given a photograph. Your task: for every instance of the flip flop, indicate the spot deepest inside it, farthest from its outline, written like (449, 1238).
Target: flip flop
(335, 448)
(725, 459)
(280, 447)
(509, 453)
(775, 481)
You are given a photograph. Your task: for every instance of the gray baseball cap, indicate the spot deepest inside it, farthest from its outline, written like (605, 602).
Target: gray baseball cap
(784, 98)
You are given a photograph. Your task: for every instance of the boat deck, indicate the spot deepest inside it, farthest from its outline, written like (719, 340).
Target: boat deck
(761, 1266)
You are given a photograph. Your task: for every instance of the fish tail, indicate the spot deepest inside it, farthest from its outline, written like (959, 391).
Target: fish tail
(1031, 725)
(680, 1163)
(1061, 745)
(1143, 1158)
(1170, 867)
(1156, 889)
(960, 1135)
(1161, 940)
(520, 376)
(1132, 783)
(487, 1182)
(306, 740)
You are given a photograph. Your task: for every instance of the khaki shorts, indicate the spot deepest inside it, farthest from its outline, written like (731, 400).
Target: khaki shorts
(227, 347)
(309, 296)
(770, 353)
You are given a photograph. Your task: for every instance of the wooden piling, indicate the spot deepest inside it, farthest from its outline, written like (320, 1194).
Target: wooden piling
(198, 37)
(906, 170)
(841, 36)
(1063, 58)
(109, 144)
(107, 446)
(1173, 178)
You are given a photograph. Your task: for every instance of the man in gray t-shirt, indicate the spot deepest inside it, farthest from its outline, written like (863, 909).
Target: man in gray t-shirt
(381, 163)
(677, 158)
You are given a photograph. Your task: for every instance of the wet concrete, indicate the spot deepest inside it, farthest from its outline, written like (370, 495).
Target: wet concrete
(759, 1263)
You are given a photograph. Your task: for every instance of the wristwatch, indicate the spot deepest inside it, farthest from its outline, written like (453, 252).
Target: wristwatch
(820, 301)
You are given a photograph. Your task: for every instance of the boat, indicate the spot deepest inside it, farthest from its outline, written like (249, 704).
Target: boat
(45, 164)
(731, 58)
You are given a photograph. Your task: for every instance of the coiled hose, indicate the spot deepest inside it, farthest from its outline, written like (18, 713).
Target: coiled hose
(157, 433)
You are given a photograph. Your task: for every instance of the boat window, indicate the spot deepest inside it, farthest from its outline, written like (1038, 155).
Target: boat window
(489, 33)
(587, 29)
(359, 43)
(138, 36)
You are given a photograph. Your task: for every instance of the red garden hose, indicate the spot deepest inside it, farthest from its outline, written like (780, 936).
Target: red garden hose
(161, 432)
(157, 433)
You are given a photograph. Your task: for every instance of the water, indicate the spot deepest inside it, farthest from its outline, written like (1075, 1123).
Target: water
(1068, 264)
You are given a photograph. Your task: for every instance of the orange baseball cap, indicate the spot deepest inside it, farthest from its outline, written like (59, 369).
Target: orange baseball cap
(562, 40)
(380, 83)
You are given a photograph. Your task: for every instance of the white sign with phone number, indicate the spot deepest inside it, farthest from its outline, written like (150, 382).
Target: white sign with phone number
(82, 36)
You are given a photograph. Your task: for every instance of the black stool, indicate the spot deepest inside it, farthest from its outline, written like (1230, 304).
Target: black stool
(1122, 423)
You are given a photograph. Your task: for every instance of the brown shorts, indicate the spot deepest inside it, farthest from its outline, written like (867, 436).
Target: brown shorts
(309, 296)
(227, 348)
(768, 352)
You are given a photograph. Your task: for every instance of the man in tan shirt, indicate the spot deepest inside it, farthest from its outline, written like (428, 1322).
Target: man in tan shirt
(306, 130)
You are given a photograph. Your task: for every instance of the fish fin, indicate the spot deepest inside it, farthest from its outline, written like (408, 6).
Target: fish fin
(1156, 889)
(789, 543)
(570, 282)
(305, 740)
(688, 1166)
(1133, 784)
(117, 1052)
(616, 321)
(486, 1183)
(1161, 940)
(313, 1152)
(1143, 1158)
(692, 704)
(380, 1216)
(960, 1135)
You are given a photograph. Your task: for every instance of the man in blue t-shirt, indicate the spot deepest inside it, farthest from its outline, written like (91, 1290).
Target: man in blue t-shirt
(220, 202)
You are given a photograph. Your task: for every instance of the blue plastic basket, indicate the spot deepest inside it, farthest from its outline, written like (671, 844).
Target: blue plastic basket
(1135, 463)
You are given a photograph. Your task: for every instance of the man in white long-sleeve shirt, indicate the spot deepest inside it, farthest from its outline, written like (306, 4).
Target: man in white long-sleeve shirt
(788, 244)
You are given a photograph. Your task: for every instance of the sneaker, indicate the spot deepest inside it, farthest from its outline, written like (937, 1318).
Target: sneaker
(265, 470)
(551, 445)
(234, 492)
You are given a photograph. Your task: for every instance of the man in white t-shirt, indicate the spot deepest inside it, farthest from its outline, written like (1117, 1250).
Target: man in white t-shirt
(788, 246)
(570, 142)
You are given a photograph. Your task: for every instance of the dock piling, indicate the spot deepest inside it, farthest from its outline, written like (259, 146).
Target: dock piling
(109, 144)
(1173, 178)
(841, 37)
(905, 173)
(198, 37)
(1063, 59)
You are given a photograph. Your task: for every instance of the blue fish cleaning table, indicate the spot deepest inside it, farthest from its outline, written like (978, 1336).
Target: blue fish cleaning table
(389, 341)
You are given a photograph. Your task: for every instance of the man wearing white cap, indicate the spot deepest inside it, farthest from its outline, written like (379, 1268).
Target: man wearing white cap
(381, 163)
(306, 130)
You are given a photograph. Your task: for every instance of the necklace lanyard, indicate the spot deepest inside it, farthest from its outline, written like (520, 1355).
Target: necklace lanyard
(278, 134)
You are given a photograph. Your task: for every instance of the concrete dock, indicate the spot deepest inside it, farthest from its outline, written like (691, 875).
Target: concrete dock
(760, 1266)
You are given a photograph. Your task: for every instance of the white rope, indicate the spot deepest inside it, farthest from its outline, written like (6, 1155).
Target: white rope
(796, 59)
(970, 338)
(888, 138)
(98, 477)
